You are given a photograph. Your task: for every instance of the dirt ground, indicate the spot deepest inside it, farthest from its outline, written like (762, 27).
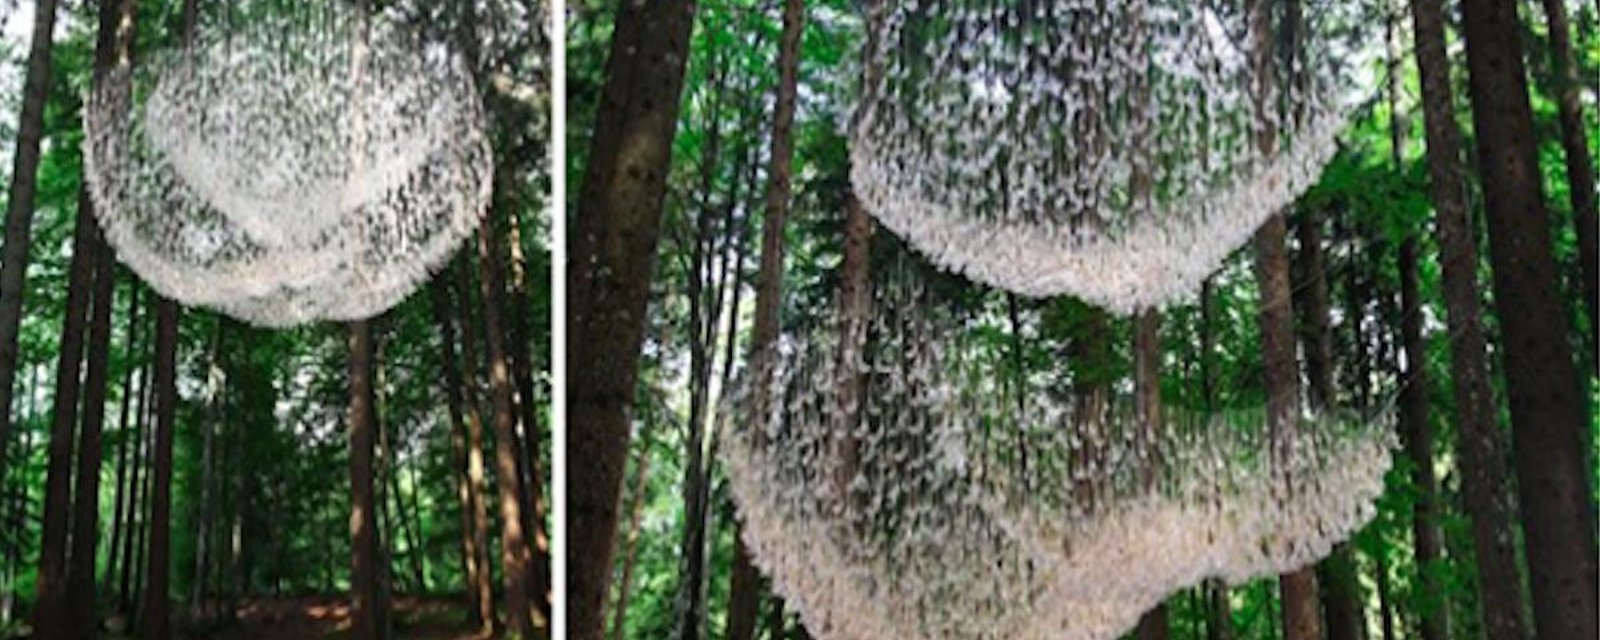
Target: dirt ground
(328, 618)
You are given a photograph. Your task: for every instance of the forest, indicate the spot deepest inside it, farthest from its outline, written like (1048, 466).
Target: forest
(170, 471)
(1435, 282)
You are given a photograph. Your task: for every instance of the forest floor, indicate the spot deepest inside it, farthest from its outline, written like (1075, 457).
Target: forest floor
(319, 618)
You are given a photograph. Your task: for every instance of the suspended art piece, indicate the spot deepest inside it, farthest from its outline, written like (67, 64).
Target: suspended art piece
(1117, 150)
(310, 163)
(912, 493)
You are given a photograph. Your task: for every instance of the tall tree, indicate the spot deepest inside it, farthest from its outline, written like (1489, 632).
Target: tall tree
(515, 553)
(155, 618)
(1154, 624)
(1480, 440)
(702, 323)
(112, 48)
(1416, 425)
(19, 207)
(1548, 412)
(474, 530)
(365, 600)
(1301, 619)
(613, 248)
(1575, 144)
(769, 288)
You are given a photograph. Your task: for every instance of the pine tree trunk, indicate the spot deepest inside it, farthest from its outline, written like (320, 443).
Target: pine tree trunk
(200, 585)
(1301, 619)
(155, 619)
(613, 247)
(132, 541)
(476, 465)
(365, 599)
(514, 550)
(690, 600)
(522, 368)
(1480, 440)
(86, 501)
(1219, 612)
(1548, 412)
(52, 614)
(20, 207)
(769, 291)
(125, 441)
(1153, 625)
(630, 555)
(1575, 144)
(480, 606)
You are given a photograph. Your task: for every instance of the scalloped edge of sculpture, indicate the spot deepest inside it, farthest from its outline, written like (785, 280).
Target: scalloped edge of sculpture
(817, 578)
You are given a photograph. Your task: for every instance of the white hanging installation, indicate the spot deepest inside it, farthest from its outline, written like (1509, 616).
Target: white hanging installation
(1102, 149)
(309, 164)
(960, 505)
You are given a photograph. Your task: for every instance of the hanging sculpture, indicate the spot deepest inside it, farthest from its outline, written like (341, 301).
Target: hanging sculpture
(910, 492)
(1106, 150)
(308, 164)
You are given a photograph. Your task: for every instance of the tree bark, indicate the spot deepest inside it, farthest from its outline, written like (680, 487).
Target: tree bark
(124, 441)
(200, 586)
(1276, 317)
(113, 47)
(1548, 412)
(476, 465)
(1481, 441)
(1153, 625)
(641, 485)
(51, 613)
(515, 555)
(133, 540)
(691, 597)
(155, 619)
(20, 207)
(480, 602)
(613, 248)
(522, 368)
(1575, 144)
(365, 599)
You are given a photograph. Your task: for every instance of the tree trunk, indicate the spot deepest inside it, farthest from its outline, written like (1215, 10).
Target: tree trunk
(480, 605)
(1481, 441)
(155, 620)
(1276, 316)
(132, 541)
(52, 614)
(641, 485)
(476, 466)
(1575, 143)
(114, 42)
(114, 564)
(1153, 625)
(1219, 612)
(522, 368)
(20, 207)
(691, 597)
(200, 585)
(365, 599)
(1548, 411)
(515, 555)
(613, 248)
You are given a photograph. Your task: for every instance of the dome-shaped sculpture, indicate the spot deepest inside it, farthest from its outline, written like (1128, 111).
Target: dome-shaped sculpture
(310, 164)
(1106, 150)
(951, 504)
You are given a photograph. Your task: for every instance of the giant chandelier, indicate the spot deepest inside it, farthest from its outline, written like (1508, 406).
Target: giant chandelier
(303, 164)
(905, 491)
(1107, 150)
